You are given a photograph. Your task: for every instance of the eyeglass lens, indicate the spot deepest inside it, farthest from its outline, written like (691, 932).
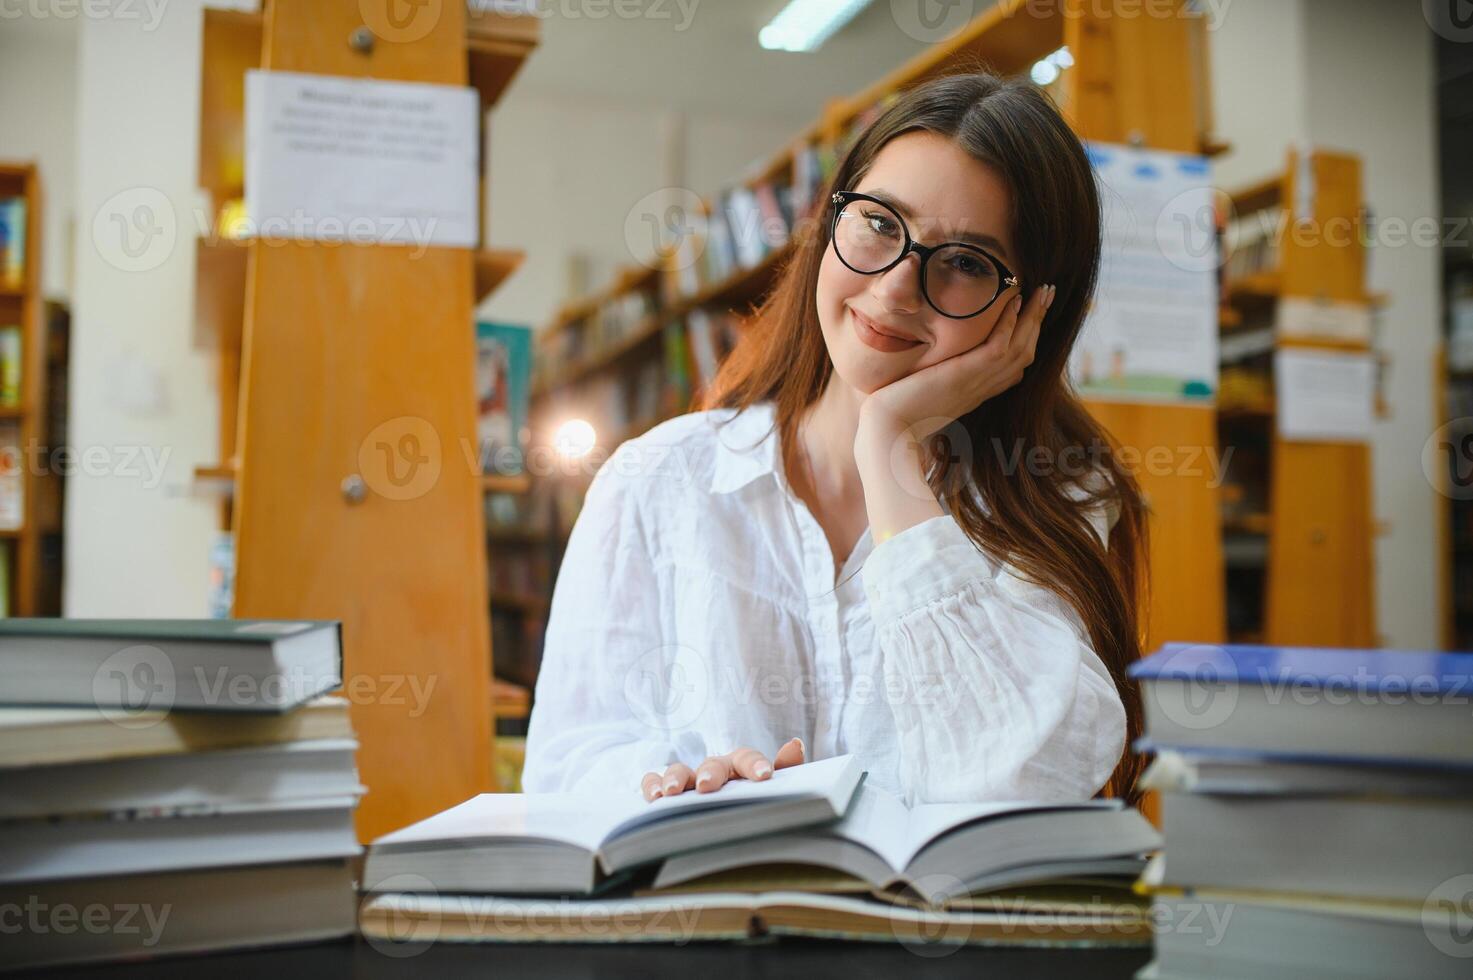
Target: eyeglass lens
(958, 281)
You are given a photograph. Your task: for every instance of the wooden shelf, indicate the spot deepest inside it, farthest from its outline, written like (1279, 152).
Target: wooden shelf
(628, 280)
(493, 267)
(1256, 197)
(647, 329)
(497, 483)
(741, 287)
(1256, 286)
(219, 291)
(1246, 524)
(509, 702)
(535, 604)
(1247, 410)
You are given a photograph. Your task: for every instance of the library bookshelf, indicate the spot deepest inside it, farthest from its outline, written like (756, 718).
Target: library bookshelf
(1138, 81)
(1297, 514)
(313, 360)
(22, 306)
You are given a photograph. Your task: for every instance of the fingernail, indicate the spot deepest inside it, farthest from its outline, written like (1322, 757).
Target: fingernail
(671, 785)
(1017, 303)
(703, 780)
(801, 746)
(763, 771)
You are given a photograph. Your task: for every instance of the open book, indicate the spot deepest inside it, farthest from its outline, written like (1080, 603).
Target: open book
(941, 851)
(568, 843)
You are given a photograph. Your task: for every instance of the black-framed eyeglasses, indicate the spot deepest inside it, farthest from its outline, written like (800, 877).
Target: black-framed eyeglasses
(958, 279)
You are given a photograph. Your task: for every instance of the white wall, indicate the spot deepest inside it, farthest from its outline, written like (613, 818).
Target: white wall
(136, 547)
(565, 172)
(38, 90)
(1358, 76)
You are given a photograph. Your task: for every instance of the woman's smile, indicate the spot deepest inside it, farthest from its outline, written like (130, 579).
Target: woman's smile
(881, 339)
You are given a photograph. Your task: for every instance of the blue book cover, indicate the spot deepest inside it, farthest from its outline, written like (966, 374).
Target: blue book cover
(503, 389)
(1380, 671)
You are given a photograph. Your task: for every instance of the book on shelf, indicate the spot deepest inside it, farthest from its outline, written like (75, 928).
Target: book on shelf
(12, 243)
(570, 843)
(503, 388)
(134, 664)
(746, 860)
(12, 478)
(1319, 798)
(236, 825)
(10, 366)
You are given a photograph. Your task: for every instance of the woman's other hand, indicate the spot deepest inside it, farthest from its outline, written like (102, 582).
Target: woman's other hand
(711, 775)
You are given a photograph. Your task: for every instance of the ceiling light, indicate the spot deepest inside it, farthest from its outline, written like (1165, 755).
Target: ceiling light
(803, 25)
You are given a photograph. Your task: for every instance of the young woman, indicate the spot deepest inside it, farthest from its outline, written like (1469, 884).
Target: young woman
(893, 531)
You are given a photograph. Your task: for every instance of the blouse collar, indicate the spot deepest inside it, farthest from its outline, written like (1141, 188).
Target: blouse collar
(746, 446)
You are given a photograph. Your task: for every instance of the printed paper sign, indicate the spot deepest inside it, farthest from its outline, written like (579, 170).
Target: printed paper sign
(1152, 332)
(359, 160)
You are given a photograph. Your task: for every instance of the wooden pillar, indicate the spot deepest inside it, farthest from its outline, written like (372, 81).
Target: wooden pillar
(1320, 588)
(1139, 80)
(358, 362)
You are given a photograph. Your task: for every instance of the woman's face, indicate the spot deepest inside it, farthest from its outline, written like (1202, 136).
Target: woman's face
(942, 193)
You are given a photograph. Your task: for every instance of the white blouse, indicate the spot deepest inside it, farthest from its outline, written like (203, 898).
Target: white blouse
(697, 611)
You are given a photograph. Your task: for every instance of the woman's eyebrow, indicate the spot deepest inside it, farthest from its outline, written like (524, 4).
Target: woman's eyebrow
(985, 241)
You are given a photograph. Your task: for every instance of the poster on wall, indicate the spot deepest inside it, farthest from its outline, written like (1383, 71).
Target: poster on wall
(1151, 334)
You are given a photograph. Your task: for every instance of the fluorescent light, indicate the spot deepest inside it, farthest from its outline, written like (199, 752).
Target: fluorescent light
(803, 25)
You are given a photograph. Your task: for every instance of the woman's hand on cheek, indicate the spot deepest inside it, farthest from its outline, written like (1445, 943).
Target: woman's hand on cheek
(927, 400)
(717, 770)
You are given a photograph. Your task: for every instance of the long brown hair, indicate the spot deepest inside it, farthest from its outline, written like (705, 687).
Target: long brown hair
(1037, 520)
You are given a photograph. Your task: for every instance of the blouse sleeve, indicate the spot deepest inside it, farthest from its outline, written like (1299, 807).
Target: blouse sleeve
(599, 715)
(1003, 695)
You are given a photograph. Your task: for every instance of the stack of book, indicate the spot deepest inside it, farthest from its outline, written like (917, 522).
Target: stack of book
(172, 786)
(812, 851)
(1317, 808)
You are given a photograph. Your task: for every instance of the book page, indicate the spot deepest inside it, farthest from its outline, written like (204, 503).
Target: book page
(565, 817)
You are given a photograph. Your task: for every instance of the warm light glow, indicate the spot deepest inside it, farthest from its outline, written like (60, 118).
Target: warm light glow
(574, 438)
(803, 25)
